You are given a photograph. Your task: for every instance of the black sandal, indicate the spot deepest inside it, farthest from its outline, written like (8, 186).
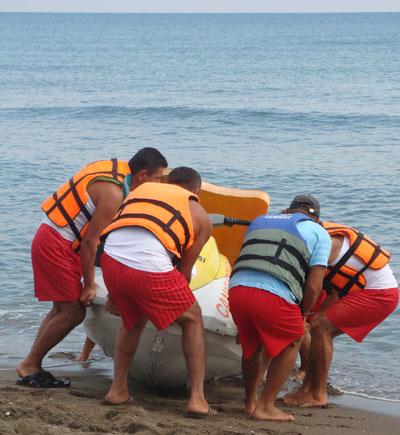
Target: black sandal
(43, 379)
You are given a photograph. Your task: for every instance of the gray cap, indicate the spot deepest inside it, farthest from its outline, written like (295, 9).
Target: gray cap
(307, 203)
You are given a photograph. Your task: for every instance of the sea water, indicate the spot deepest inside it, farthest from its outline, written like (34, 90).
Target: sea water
(286, 103)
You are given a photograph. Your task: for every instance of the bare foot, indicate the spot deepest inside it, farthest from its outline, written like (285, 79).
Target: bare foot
(291, 397)
(25, 370)
(198, 405)
(307, 400)
(116, 398)
(272, 413)
(249, 407)
(129, 401)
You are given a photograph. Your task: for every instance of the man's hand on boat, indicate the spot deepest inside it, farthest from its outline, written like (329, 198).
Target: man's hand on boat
(88, 294)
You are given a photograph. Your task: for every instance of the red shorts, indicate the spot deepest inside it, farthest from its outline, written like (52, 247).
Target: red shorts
(56, 266)
(357, 314)
(162, 297)
(263, 318)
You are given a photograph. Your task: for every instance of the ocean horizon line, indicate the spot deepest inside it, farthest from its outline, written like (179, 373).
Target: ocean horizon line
(205, 12)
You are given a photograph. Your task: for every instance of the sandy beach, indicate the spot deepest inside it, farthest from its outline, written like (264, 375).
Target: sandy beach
(79, 409)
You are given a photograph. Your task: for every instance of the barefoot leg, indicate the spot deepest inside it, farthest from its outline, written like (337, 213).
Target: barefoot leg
(292, 397)
(58, 323)
(86, 350)
(194, 349)
(127, 342)
(251, 368)
(278, 373)
(304, 353)
(321, 351)
(264, 364)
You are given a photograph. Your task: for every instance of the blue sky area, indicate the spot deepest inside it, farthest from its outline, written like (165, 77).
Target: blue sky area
(200, 5)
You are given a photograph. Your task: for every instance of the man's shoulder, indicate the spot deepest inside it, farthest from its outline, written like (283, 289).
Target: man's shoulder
(199, 215)
(310, 226)
(197, 210)
(104, 191)
(318, 242)
(317, 238)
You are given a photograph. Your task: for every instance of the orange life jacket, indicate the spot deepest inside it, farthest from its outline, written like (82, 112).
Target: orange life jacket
(161, 208)
(69, 200)
(343, 279)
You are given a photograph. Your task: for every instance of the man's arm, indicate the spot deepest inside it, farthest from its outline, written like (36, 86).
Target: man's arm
(315, 276)
(202, 232)
(107, 197)
(312, 288)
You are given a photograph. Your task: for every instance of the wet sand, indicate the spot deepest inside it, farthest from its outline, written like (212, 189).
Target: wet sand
(79, 410)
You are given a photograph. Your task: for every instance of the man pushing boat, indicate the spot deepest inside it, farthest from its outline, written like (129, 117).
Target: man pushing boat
(157, 226)
(362, 292)
(64, 250)
(281, 255)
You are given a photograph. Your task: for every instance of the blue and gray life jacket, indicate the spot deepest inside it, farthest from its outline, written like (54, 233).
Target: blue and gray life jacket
(274, 245)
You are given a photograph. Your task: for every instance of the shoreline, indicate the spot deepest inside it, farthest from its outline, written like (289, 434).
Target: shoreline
(375, 405)
(79, 409)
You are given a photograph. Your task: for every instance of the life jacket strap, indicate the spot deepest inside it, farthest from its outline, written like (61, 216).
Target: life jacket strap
(281, 246)
(330, 286)
(176, 216)
(114, 168)
(157, 221)
(354, 279)
(292, 270)
(69, 220)
(114, 173)
(336, 270)
(348, 254)
(78, 200)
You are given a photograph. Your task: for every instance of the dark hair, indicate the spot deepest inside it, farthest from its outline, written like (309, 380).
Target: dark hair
(185, 177)
(147, 158)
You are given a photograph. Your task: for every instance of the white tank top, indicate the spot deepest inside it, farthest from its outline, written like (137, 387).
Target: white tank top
(79, 222)
(138, 248)
(375, 279)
